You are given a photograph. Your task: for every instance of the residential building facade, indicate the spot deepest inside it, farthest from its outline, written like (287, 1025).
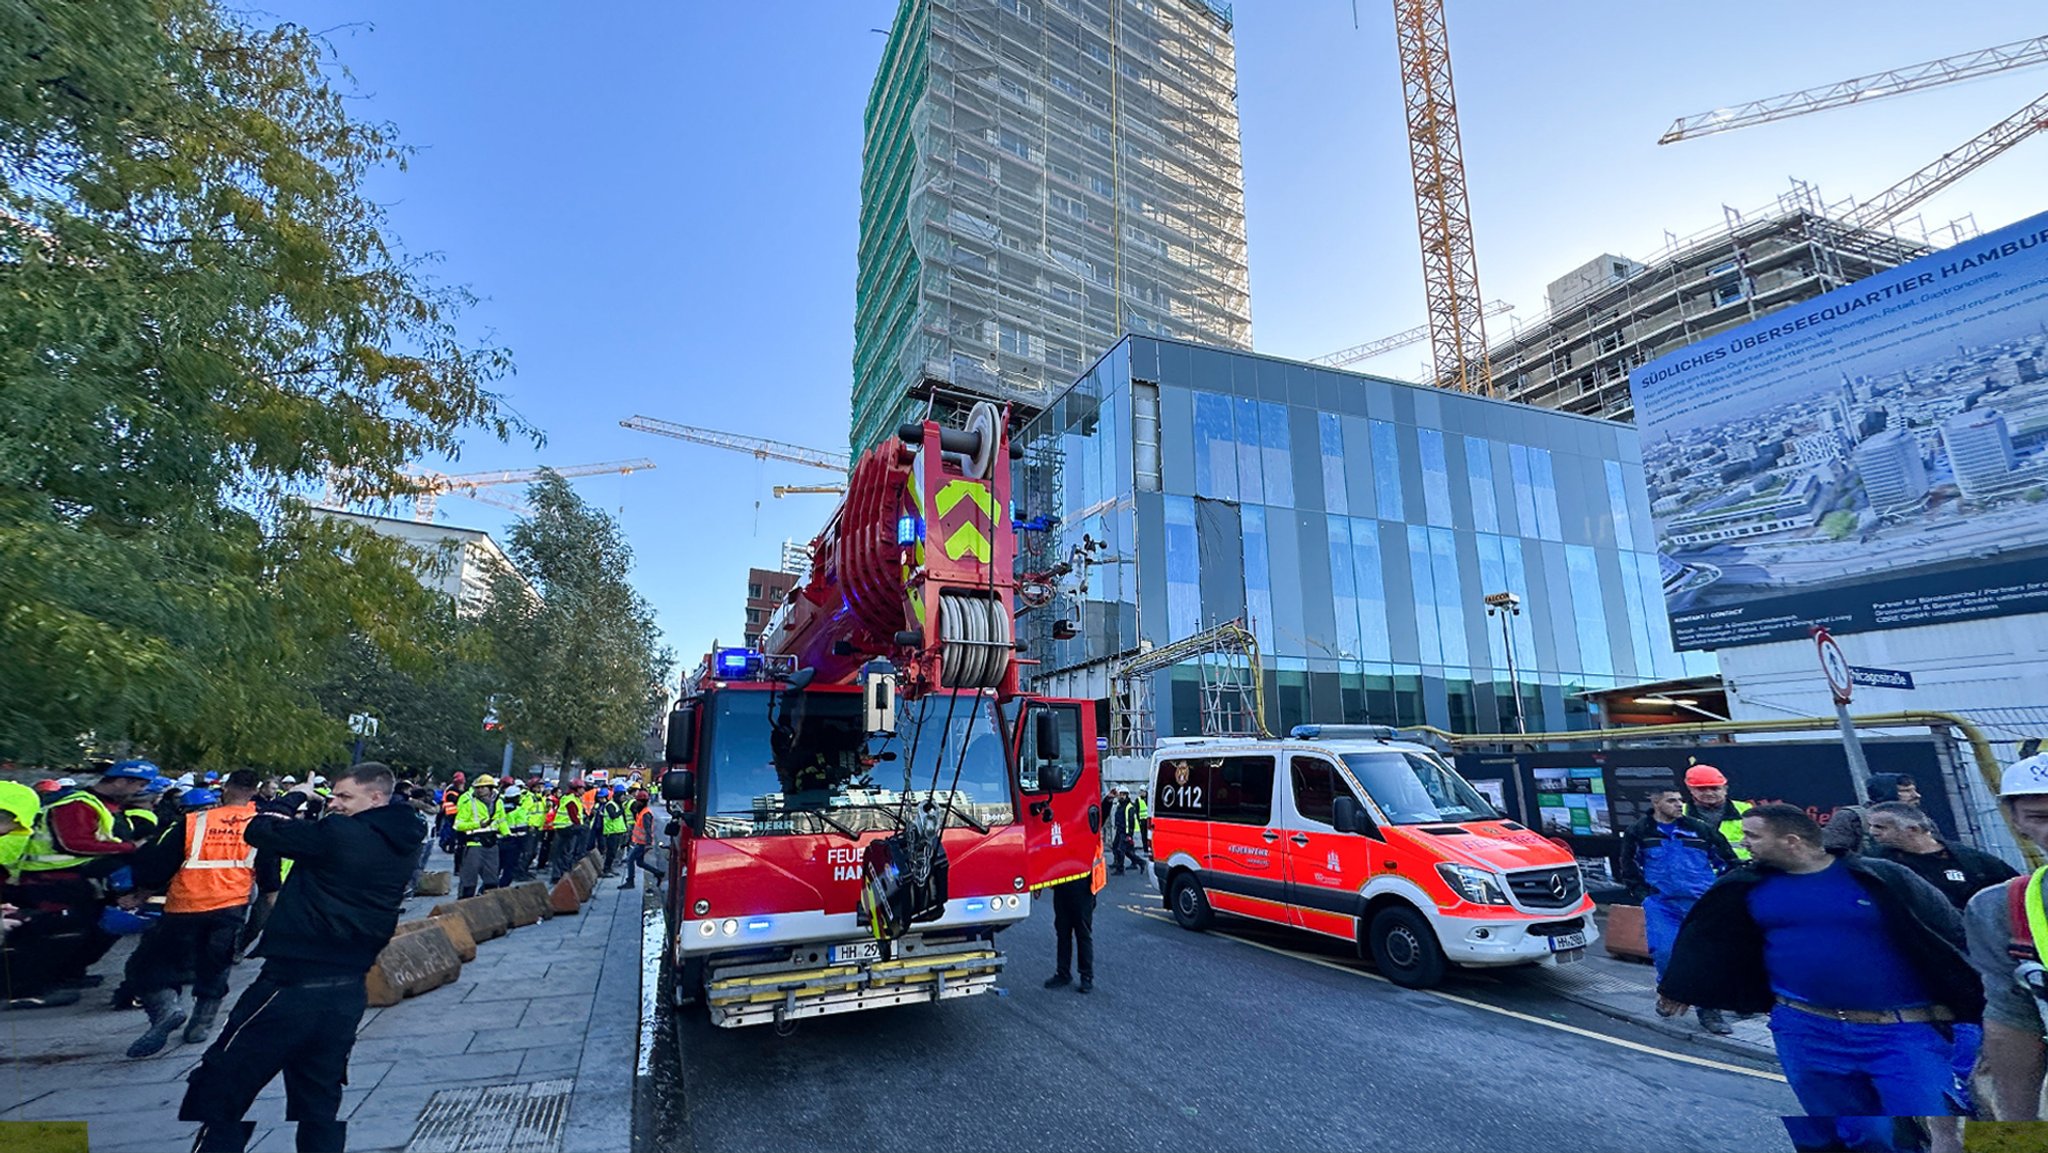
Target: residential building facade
(766, 590)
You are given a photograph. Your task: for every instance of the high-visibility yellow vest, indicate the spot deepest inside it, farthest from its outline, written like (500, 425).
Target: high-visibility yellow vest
(43, 853)
(474, 815)
(219, 870)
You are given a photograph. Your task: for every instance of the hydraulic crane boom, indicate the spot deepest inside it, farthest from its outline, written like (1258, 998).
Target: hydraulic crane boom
(759, 447)
(1897, 81)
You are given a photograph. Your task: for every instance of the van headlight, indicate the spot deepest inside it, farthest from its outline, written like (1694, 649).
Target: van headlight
(1475, 885)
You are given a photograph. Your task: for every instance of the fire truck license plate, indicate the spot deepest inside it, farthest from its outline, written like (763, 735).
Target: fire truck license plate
(857, 951)
(1566, 941)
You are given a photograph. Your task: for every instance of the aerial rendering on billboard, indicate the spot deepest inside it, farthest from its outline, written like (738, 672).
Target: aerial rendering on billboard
(1873, 458)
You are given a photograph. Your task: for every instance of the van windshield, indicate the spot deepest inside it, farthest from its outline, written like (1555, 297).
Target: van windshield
(1417, 788)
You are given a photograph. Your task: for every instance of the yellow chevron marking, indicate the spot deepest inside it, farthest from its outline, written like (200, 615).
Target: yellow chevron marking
(971, 489)
(967, 538)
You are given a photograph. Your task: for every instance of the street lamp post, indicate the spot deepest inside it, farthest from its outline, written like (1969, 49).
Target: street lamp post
(1507, 606)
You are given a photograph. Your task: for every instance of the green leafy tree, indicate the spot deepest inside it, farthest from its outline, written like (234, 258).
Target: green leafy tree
(430, 715)
(202, 318)
(577, 654)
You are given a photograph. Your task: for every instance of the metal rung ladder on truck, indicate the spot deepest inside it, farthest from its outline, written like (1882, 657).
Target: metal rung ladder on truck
(863, 804)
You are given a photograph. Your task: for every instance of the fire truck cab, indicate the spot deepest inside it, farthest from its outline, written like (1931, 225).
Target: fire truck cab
(1345, 831)
(780, 789)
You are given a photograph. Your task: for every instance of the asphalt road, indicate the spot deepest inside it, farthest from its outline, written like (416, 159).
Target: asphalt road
(1241, 1038)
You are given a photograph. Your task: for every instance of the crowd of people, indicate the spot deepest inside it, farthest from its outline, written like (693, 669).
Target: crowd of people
(307, 875)
(1900, 970)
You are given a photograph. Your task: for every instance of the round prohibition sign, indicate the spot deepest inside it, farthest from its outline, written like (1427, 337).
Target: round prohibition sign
(1834, 665)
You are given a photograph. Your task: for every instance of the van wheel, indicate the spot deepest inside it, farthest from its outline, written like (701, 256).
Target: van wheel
(1191, 904)
(1405, 949)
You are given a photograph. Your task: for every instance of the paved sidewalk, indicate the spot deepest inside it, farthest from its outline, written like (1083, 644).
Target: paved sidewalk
(1627, 990)
(534, 1046)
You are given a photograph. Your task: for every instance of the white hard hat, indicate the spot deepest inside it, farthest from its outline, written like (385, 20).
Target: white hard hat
(2026, 778)
(187, 781)
(66, 783)
(513, 790)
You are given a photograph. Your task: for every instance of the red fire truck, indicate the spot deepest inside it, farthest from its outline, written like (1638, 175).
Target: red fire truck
(864, 803)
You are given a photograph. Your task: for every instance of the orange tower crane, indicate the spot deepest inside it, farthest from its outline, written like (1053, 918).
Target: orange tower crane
(1450, 265)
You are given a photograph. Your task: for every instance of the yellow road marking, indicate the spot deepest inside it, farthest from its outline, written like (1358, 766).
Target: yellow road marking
(1703, 1062)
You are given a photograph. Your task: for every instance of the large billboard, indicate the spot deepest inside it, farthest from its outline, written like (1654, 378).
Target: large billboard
(1873, 458)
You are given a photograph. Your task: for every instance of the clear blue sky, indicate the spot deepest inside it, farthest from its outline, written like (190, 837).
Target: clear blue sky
(658, 202)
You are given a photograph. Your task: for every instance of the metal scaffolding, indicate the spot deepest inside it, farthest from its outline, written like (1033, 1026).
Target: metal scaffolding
(1231, 687)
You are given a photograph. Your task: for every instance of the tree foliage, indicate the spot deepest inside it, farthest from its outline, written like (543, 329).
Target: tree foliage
(201, 318)
(575, 648)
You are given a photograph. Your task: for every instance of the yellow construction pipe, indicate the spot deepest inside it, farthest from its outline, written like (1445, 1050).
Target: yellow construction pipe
(1980, 746)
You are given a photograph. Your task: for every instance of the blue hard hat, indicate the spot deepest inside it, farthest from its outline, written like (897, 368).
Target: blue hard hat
(122, 923)
(156, 785)
(198, 798)
(131, 771)
(211, 777)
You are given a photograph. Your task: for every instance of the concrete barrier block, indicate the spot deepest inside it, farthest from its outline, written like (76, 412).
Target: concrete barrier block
(585, 876)
(563, 899)
(485, 917)
(525, 904)
(420, 957)
(435, 883)
(536, 898)
(457, 929)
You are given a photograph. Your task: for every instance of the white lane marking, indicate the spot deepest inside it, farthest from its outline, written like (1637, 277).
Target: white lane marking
(1703, 1062)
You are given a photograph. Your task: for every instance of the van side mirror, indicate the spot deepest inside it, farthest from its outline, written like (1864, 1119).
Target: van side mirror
(1348, 816)
(679, 786)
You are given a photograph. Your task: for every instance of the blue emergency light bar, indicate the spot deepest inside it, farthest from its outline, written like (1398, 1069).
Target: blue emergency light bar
(908, 530)
(736, 662)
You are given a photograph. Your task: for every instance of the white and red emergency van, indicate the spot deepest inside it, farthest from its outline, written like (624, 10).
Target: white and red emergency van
(1346, 831)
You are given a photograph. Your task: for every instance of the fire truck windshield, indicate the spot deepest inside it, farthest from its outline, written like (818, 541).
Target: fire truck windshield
(805, 767)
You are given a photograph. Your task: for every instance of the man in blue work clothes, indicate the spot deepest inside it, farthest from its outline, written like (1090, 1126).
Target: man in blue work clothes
(1860, 964)
(1670, 859)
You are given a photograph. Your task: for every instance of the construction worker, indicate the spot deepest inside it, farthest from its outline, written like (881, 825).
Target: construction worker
(1144, 820)
(611, 815)
(568, 831)
(72, 850)
(480, 822)
(2007, 926)
(444, 829)
(36, 947)
(642, 839)
(1711, 806)
(207, 874)
(519, 824)
(591, 826)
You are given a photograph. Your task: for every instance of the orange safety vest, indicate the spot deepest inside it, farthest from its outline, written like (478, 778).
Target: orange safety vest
(641, 830)
(448, 797)
(219, 871)
(1098, 877)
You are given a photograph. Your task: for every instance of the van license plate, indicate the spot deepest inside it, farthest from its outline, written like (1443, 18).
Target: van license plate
(1560, 943)
(858, 951)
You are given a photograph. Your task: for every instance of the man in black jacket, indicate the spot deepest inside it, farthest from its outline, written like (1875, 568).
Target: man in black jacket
(1860, 964)
(335, 913)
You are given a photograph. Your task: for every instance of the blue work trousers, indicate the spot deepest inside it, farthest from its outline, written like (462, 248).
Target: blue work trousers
(1853, 1079)
(1661, 917)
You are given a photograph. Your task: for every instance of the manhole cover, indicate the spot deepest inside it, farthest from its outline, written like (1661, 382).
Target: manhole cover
(523, 1118)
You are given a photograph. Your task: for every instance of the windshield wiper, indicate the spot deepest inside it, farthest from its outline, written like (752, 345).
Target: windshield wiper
(963, 814)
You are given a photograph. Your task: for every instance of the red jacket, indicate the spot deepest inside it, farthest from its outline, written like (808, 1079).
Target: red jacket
(76, 829)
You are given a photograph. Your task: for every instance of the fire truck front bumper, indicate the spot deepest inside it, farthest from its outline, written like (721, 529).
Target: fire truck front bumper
(856, 975)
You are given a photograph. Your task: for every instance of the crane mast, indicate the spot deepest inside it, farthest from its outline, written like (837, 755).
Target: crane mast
(1450, 263)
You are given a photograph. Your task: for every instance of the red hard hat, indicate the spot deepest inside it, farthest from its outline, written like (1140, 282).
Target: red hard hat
(47, 785)
(459, 776)
(1704, 777)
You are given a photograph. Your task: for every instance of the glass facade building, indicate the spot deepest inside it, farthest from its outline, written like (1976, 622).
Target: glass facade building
(1355, 524)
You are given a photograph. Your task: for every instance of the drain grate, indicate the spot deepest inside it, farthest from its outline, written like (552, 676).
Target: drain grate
(523, 1118)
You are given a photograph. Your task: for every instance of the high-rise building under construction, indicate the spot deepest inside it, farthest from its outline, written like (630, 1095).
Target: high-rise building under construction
(1040, 177)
